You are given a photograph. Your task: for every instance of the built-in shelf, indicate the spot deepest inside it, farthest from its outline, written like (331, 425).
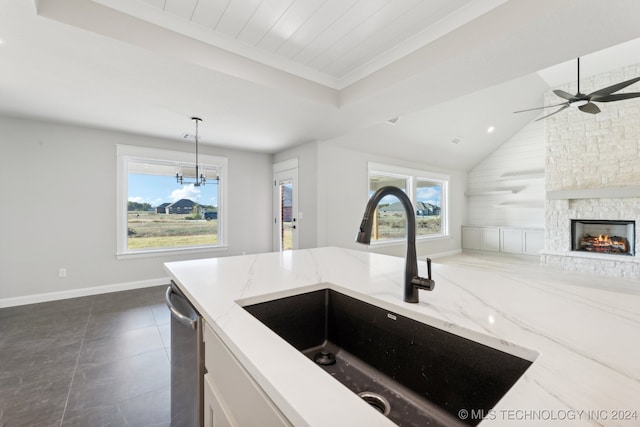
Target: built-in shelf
(528, 205)
(512, 176)
(491, 192)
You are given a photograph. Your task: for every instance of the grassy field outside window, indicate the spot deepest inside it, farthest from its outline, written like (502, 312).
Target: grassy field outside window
(152, 230)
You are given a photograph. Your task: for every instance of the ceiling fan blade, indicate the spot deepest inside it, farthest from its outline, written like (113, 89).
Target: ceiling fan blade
(613, 88)
(540, 108)
(615, 97)
(589, 108)
(555, 112)
(565, 95)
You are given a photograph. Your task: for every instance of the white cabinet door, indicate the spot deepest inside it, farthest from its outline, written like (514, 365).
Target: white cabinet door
(215, 414)
(490, 239)
(470, 238)
(235, 398)
(533, 242)
(511, 240)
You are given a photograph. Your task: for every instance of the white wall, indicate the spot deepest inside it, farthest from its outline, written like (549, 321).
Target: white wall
(343, 194)
(58, 209)
(524, 152)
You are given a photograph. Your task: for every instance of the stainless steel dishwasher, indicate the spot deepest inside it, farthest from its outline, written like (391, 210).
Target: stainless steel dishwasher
(187, 361)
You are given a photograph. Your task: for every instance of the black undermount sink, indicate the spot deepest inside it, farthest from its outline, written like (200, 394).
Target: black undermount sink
(419, 374)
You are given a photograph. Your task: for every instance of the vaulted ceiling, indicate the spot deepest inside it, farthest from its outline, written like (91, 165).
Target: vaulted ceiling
(270, 74)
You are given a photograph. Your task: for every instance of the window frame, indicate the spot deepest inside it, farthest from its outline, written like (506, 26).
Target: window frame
(412, 176)
(127, 153)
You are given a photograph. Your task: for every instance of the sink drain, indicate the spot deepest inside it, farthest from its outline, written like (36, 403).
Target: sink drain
(325, 358)
(378, 402)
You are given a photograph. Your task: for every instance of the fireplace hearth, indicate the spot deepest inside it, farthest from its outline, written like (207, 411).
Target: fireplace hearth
(613, 237)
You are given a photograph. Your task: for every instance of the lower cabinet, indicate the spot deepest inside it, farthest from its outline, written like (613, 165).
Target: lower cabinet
(231, 396)
(512, 240)
(471, 238)
(533, 242)
(490, 239)
(215, 413)
(481, 238)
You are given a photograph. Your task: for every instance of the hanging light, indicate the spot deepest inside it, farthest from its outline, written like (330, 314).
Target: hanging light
(200, 178)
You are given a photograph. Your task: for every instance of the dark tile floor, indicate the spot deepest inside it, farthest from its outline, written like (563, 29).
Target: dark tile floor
(101, 360)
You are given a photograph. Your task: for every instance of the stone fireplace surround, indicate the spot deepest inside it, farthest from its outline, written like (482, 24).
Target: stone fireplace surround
(592, 172)
(558, 251)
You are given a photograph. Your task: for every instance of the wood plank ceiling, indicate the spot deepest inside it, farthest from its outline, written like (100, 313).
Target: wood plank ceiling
(334, 37)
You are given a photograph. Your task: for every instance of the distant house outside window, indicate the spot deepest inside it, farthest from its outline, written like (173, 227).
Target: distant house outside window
(158, 214)
(428, 194)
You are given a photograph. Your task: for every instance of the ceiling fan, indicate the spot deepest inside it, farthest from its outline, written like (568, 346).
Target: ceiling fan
(584, 102)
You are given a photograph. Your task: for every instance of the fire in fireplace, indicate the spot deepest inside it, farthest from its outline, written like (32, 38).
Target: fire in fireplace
(603, 236)
(604, 243)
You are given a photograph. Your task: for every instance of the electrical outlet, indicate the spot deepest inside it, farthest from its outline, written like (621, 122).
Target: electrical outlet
(62, 272)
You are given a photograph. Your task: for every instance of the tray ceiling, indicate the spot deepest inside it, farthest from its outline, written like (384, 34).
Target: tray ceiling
(332, 42)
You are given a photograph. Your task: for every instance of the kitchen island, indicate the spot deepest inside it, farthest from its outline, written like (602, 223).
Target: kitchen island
(583, 340)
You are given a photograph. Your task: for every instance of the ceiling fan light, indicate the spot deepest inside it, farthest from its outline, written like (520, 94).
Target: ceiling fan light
(579, 103)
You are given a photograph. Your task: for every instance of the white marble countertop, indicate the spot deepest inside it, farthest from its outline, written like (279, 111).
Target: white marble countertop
(587, 340)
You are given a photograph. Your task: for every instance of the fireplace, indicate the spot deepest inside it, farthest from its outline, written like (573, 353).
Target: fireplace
(601, 236)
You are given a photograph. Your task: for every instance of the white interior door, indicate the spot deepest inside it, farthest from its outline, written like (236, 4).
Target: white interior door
(285, 206)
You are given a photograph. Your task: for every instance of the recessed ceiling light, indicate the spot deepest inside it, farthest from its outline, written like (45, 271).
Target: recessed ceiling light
(456, 140)
(393, 121)
(490, 129)
(2, 42)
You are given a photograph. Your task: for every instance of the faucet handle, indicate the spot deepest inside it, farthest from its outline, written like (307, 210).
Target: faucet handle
(422, 283)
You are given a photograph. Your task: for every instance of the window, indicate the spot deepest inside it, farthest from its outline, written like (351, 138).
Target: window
(391, 220)
(428, 204)
(158, 214)
(428, 193)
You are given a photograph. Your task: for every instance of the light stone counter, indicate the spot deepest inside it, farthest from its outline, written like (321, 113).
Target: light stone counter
(585, 341)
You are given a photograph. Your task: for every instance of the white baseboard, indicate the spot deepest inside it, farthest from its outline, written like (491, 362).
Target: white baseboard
(83, 292)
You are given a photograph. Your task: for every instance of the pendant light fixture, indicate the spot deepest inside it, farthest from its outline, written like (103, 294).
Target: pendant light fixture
(200, 179)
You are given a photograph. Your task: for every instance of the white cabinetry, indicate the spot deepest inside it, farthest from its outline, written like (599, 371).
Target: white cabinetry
(215, 413)
(231, 396)
(471, 238)
(490, 239)
(511, 240)
(533, 241)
